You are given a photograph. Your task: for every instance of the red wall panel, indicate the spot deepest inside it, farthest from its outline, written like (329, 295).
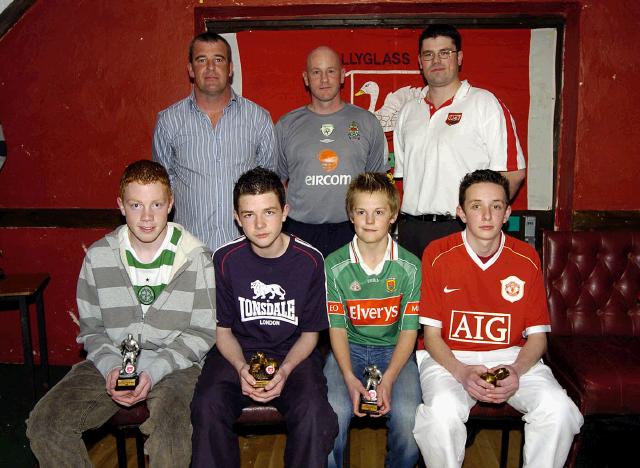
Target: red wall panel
(608, 138)
(58, 252)
(81, 83)
(80, 87)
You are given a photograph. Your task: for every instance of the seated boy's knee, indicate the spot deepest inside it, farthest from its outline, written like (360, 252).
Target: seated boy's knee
(343, 413)
(442, 413)
(203, 407)
(559, 406)
(173, 399)
(403, 414)
(43, 419)
(206, 408)
(445, 405)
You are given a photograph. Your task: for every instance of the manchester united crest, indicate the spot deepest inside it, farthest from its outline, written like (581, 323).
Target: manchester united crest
(391, 284)
(453, 118)
(354, 131)
(512, 288)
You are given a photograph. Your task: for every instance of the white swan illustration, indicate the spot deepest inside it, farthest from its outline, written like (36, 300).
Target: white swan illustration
(393, 102)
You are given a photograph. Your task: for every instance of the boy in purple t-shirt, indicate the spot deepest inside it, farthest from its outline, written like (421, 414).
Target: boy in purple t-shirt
(271, 297)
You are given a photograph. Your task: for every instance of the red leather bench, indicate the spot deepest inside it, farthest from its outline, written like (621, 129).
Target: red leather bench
(593, 288)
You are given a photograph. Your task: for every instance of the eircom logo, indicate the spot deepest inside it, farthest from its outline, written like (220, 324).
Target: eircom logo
(480, 327)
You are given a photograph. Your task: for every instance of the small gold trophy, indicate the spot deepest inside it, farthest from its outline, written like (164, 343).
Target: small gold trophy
(493, 377)
(373, 377)
(262, 369)
(128, 378)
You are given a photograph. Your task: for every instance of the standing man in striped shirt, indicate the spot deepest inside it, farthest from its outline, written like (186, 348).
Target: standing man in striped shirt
(208, 139)
(449, 131)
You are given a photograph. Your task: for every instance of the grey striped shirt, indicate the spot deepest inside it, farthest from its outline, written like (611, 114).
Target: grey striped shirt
(204, 162)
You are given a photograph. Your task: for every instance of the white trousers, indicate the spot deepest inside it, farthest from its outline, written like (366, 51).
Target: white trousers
(551, 418)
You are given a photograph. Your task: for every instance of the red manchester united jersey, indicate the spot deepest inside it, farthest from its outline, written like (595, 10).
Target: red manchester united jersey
(482, 306)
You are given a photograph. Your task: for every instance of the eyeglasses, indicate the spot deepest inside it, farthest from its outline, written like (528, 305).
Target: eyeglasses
(443, 54)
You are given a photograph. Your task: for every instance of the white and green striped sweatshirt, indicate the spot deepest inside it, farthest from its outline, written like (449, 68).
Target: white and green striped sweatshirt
(178, 329)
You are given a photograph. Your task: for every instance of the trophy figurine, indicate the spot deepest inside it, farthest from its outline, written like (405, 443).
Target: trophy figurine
(372, 376)
(262, 369)
(128, 378)
(493, 377)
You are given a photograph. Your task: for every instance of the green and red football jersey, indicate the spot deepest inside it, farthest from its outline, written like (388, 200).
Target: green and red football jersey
(373, 305)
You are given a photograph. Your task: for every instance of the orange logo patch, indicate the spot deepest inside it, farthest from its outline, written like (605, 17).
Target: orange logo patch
(329, 160)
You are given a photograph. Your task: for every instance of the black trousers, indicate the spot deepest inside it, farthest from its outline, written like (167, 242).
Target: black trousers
(312, 425)
(415, 234)
(324, 237)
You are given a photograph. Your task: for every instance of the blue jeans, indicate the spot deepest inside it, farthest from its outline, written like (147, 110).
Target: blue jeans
(405, 397)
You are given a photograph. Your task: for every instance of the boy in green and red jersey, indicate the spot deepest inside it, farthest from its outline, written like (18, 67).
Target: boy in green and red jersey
(373, 288)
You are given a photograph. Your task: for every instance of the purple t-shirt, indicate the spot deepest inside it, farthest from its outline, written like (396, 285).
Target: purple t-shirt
(268, 302)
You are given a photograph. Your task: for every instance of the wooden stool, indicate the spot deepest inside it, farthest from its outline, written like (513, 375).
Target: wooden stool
(25, 289)
(126, 422)
(503, 417)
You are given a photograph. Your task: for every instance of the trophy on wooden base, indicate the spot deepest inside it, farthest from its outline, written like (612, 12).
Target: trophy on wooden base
(263, 369)
(372, 378)
(128, 378)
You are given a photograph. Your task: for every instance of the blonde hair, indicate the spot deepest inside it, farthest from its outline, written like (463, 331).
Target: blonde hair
(370, 182)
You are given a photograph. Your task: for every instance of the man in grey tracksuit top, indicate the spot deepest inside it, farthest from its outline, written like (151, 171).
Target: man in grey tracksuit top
(174, 333)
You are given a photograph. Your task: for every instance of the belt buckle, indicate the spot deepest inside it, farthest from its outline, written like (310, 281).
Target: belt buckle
(434, 218)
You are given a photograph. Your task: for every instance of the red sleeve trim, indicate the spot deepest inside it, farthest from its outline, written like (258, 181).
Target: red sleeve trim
(335, 308)
(225, 256)
(512, 150)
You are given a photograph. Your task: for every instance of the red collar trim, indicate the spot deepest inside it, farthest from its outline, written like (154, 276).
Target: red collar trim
(433, 108)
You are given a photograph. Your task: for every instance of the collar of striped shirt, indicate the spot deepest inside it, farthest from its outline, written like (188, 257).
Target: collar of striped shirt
(194, 105)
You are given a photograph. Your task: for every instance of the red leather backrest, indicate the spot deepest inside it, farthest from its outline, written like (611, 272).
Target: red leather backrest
(593, 282)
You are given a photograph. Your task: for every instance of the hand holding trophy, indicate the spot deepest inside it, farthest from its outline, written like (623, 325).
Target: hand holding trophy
(262, 369)
(373, 377)
(128, 378)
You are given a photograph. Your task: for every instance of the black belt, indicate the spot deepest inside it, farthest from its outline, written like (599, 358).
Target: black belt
(431, 218)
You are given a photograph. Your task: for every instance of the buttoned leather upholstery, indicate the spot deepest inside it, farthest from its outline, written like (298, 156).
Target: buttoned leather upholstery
(593, 288)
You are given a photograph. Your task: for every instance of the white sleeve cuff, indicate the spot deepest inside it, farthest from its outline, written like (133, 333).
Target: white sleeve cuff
(536, 329)
(431, 322)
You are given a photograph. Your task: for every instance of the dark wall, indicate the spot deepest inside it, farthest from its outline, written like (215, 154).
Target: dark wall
(81, 83)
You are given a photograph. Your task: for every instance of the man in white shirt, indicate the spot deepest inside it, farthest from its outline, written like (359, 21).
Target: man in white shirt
(451, 130)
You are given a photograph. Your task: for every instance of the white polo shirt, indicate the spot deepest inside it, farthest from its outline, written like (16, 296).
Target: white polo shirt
(435, 149)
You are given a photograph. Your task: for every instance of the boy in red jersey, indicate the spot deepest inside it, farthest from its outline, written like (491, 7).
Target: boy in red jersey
(483, 307)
